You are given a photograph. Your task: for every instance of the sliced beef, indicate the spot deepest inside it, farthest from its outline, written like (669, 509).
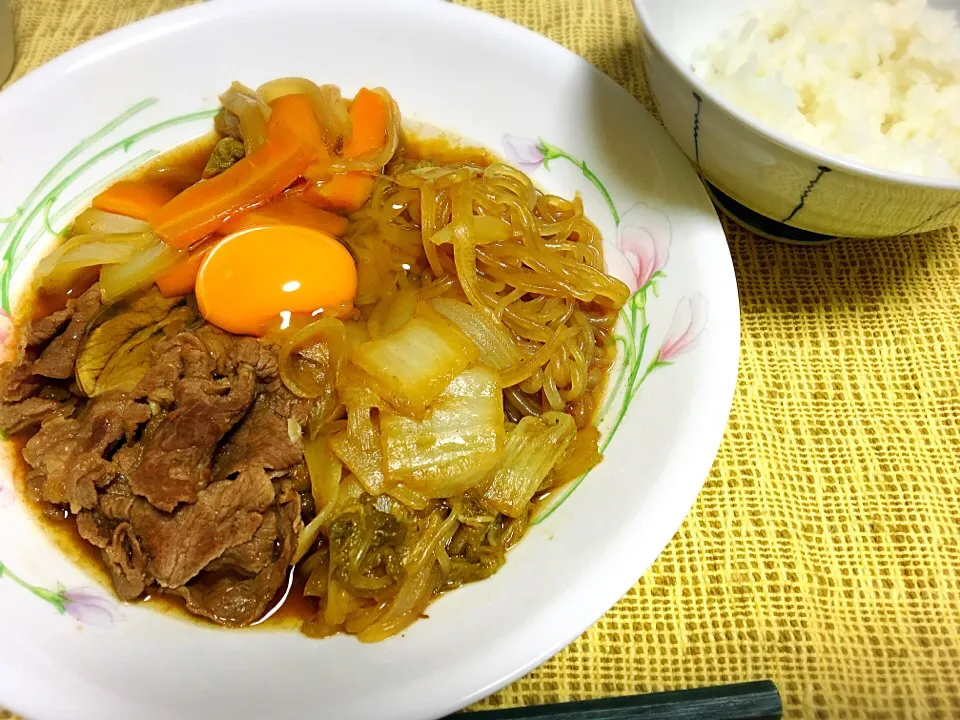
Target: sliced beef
(239, 588)
(179, 446)
(73, 454)
(28, 398)
(59, 357)
(142, 545)
(17, 382)
(43, 329)
(29, 414)
(187, 484)
(263, 438)
(250, 557)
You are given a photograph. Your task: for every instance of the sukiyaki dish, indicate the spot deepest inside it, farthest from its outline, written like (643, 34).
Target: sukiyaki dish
(311, 354)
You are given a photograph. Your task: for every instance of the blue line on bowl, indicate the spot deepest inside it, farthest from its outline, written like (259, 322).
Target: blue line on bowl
(696, 128)
(821, 171)
(930, 219)
(762, 225)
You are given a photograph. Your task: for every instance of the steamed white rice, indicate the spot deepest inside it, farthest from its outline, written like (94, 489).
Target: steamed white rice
(874, 80)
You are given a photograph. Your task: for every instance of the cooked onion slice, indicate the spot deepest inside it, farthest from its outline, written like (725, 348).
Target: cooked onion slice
(99, 222)
(139, 271)
(252, 111)
(497, 349)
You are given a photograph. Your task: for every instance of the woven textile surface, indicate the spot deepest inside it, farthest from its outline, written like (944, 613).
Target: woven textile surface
(824, 550)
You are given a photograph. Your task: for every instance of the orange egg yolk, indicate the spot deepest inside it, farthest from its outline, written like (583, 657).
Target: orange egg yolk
(262, 276)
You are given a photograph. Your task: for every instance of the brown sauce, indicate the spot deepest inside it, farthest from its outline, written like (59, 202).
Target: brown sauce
(179, 168)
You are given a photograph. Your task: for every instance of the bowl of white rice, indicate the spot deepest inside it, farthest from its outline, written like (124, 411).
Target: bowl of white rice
(814, 119)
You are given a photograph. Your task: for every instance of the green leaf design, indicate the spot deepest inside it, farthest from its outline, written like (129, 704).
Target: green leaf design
(632, 342)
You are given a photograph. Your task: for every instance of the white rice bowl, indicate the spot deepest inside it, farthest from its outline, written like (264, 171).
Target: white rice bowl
(877, 81)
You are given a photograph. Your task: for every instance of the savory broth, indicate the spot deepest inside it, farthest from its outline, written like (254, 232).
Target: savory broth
(181, 167)
(328, 372)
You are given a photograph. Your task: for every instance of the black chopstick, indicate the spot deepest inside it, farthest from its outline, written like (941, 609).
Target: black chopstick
(745, 701)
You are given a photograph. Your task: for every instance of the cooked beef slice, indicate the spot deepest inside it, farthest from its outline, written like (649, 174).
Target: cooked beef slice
(49, 350)
(226, 514)
(179, 445)
(59, 357)
(142, 546)
(17, 382)
(43, 329)
(263, 438)
(73, 454)
(183, 484)
(31, 413)
(237, 590)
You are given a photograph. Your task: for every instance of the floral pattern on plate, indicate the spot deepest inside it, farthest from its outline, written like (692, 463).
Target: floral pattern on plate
(638, 258)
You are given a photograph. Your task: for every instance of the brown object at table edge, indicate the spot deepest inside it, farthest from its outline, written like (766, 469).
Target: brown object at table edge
(824, 550)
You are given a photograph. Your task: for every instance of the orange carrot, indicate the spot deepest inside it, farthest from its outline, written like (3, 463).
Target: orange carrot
(296, 112)
(288, 210)
(134, 198)
(345, 192)
(181, 278)
(263, 174)
(368, 123)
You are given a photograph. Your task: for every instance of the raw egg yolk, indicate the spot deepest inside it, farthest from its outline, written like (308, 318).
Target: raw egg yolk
(260, 275)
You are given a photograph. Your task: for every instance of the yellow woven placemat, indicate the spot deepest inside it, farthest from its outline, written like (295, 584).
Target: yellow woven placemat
(824, 550)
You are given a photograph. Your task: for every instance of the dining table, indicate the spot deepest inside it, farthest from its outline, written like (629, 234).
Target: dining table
(823, 551)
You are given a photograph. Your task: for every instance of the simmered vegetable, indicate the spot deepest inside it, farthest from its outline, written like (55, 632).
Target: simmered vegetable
(251, 112)
(261, 175)
(456, 445)
(533, 449)
(149, 262)
(134, 198)
(116, 353)
(413, 364)
(226, 153)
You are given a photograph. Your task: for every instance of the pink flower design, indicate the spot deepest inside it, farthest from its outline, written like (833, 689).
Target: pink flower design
(526, 153)
(689, 321)
(7, 494)
(6, 327)
(643, 246)
(89, 607)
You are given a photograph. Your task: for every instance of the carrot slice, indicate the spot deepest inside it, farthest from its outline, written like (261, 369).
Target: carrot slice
(288, 210)
(345, 192)
(296, 112)
(134, 198)
(182, 277)
(368, 123)
(263, 174)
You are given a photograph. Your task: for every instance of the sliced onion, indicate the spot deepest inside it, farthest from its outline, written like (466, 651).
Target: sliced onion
(252, 111)
(326, 471)
(373, 161)
(497, 349)
(142, 269)
(83, 251)
(99, 222)
(327, 339)
(329, 107)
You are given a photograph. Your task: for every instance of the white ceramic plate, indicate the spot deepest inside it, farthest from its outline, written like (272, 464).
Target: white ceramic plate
(73, 653)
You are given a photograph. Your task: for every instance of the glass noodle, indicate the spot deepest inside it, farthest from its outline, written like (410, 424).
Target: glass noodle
(459, 266)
